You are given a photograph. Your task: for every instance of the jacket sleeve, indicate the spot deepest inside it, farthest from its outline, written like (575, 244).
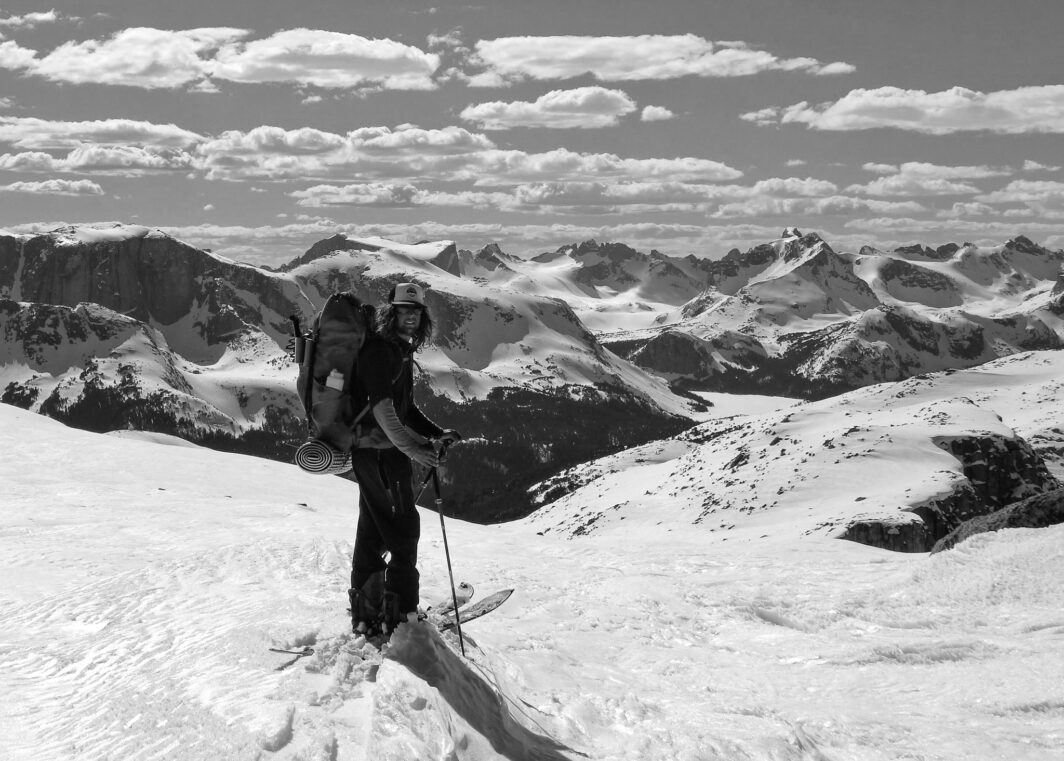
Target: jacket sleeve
(417, 420)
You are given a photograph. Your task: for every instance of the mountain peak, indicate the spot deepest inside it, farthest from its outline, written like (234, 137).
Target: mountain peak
(323, 248)
(1024, 245)
(103, 232)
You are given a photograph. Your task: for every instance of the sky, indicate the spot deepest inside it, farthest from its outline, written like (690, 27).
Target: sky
(255, 128)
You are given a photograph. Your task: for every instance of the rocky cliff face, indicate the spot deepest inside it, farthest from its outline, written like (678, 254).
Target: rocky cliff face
(998, 471)
(150, 277)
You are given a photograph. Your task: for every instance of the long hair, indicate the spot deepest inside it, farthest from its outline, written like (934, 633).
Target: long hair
(388, 326)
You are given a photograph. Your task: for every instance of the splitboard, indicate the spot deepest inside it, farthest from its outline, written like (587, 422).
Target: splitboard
(472, 611)
(441, 617)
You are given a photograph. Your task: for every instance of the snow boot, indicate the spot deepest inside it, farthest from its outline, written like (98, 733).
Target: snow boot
(366, 617)
(390, 611)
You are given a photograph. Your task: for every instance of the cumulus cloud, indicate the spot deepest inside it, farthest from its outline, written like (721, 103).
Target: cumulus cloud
(988, 232)
(327, 59)
(915, 178)
(162, 59)
(1034, 166)
(15, 57)
(837, 204)
(395, 195)
(656, 114)
(413, 153)
(612, 59)
(374, 152)
(562, 164)
(55, 188)
(29, 20)
(969, 210)
(581, 108)
(136, 57)
(1022, 110)
(100, 159)
(33, 133)
(1045, 197)
(567, 197)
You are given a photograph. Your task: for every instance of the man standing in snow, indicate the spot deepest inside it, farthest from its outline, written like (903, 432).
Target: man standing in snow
(395, 433)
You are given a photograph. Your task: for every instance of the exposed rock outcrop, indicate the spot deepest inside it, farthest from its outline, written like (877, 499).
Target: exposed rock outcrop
(1037, 511)
(997, 470)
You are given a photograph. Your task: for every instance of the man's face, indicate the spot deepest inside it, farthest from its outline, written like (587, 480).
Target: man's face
(408, 319)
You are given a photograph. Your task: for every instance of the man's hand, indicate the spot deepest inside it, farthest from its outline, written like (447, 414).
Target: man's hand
(425, 455)
(448, 437)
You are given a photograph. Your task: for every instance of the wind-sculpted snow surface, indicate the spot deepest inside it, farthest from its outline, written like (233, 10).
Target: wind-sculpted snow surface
(462, 706)
(140, 601)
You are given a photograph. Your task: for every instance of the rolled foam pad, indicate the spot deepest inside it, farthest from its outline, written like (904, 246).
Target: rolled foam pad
(316, 456)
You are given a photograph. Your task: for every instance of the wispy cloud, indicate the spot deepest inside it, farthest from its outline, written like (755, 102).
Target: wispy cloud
(55, 188)
(799, 207)
(1042, 196)
(612, 59)
(924, 179)
(396, 195)
(412, 153)
(580, 108)
(34, 133)
(124, 160)
(567, 197)
(276, 244)
(1034, 166)
(1022, 110)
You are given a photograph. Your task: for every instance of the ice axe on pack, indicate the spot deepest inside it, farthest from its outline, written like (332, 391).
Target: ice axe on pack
(434, 476)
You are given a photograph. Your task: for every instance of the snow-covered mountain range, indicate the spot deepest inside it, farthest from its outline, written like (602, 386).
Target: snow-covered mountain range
(794, 317)
(543, 362)
(125, 327)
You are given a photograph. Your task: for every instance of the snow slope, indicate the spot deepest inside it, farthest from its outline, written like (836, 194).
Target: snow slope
(144, 583)
(872, 454)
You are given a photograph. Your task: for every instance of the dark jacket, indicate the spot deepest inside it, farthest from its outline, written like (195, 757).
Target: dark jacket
(386, 371)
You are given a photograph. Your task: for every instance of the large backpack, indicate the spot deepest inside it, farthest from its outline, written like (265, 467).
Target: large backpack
(327, 355)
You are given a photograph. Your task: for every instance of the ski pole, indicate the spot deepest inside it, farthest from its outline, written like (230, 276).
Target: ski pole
(435, 476)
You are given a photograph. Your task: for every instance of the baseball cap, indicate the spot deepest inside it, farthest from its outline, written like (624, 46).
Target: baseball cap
(410, 294)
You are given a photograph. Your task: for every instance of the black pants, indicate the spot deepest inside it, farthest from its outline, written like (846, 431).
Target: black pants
(388, 522)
